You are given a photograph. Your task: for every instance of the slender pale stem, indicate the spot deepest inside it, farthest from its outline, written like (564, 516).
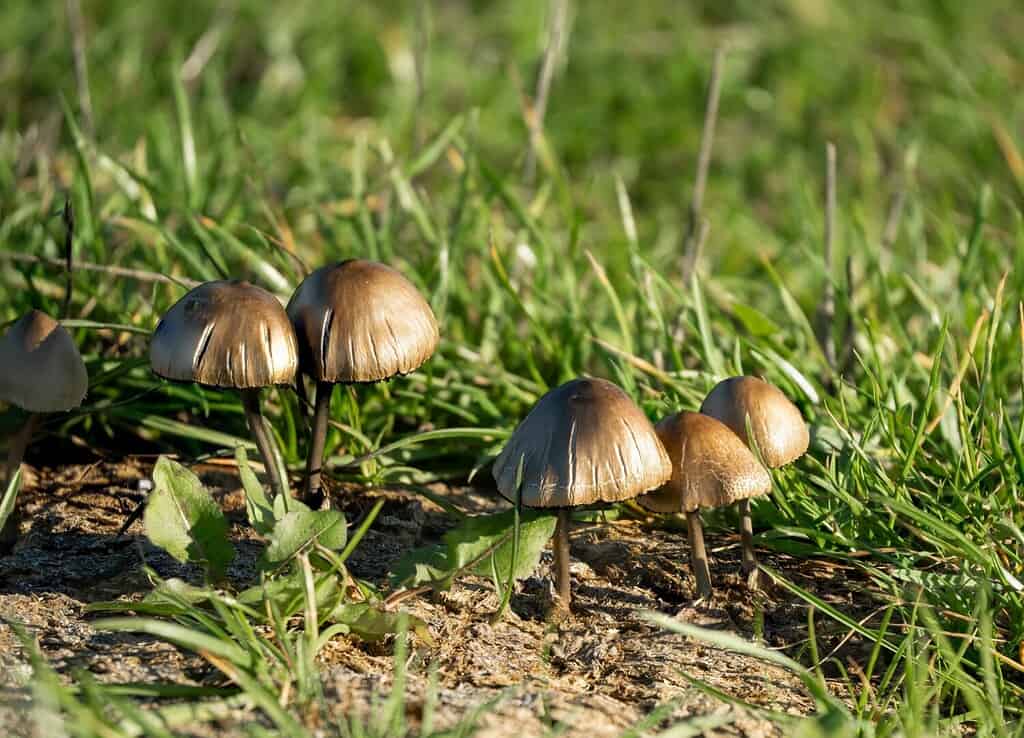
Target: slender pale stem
(747, 536)
(15, 454)
(698, 556)
(260, 434)
(561, 546)
(314, 463)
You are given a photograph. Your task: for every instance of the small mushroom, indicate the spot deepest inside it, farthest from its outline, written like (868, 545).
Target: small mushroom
(230, 335)
(357, 321)
(710, 468)
(779, 434)
(583, 443)
(42, 373)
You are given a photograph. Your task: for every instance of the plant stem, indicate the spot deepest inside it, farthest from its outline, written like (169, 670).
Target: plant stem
(749, 564)
(561, 546)
(19, 442)
(313, 496)
(260, 434)
(698, 556)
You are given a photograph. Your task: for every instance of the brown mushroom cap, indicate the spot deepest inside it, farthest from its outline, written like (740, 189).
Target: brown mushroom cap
(42, 369)
(583, 443)
(710, 466)
(228, 334)
(778, 427)
(360, 321)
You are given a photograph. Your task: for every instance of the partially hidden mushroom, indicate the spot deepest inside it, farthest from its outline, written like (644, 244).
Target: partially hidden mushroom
(711, 468)
(42, 373)
(778, 434)
(230, 335)
(583, 443)
(357, 321)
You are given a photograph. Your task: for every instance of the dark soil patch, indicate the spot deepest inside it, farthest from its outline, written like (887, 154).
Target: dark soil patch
(600, 671)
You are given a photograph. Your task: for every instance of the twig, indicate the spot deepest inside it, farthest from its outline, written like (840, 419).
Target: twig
(69, 244)
(692, 240)
(139, 275)
(827, 307)
(76, 26)
(557, 32)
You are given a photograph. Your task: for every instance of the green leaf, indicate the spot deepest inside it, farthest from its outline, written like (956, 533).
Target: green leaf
(179, 635)
(299, 529)
(757, 323)
(370, 623)
(257, 506)
(481, 544)
(183, 519)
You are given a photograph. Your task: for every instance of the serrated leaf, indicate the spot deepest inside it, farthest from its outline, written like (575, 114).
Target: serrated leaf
(370, 623)
(183, 519)
(484, 537)
(257, 506)
(299, 529)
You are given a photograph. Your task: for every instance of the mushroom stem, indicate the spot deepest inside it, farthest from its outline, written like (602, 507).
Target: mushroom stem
(698, 556)
(314, 463)
(561, 547)
(260, 434)
(19, 442)
(749, 564)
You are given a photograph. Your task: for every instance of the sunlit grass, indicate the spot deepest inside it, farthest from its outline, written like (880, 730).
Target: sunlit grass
(302, 139)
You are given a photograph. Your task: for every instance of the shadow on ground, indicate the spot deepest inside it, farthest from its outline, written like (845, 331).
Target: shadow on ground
(600, 671)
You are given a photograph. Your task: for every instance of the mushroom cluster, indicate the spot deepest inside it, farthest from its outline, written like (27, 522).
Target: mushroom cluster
(586, 443)
(354, 321)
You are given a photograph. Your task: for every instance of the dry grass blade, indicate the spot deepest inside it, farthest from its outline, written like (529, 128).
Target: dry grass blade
(694, 227)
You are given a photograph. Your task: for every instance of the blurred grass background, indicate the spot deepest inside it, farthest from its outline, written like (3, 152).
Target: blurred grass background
(249, 138)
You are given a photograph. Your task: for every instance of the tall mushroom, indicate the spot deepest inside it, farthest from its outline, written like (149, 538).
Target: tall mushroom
(230, 335)
(583, 443)
(357, 321)
(710, 468)
(779, 434)
(42, 373)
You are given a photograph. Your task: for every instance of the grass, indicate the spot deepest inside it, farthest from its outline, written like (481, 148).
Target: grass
(254, 141)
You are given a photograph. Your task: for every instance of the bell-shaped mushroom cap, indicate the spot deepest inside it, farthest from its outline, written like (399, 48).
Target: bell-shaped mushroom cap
(584, 442)
(711, 467)
(42, 369)
(360, 321)
(778, 427)
(228, 334)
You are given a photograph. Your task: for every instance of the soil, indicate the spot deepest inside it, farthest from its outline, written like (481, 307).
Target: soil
(596, 673)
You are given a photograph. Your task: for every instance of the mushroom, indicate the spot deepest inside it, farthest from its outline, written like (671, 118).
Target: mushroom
(710, 468)
(779, 434)
(42, 373)
(583, 443)
(357, 321)
(230, 335)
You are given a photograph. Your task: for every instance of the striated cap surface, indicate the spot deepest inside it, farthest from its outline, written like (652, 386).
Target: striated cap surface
(228, 334)
(583, 443)
(711, 466)
(360, 321)
(777, 426)
(40, 368)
